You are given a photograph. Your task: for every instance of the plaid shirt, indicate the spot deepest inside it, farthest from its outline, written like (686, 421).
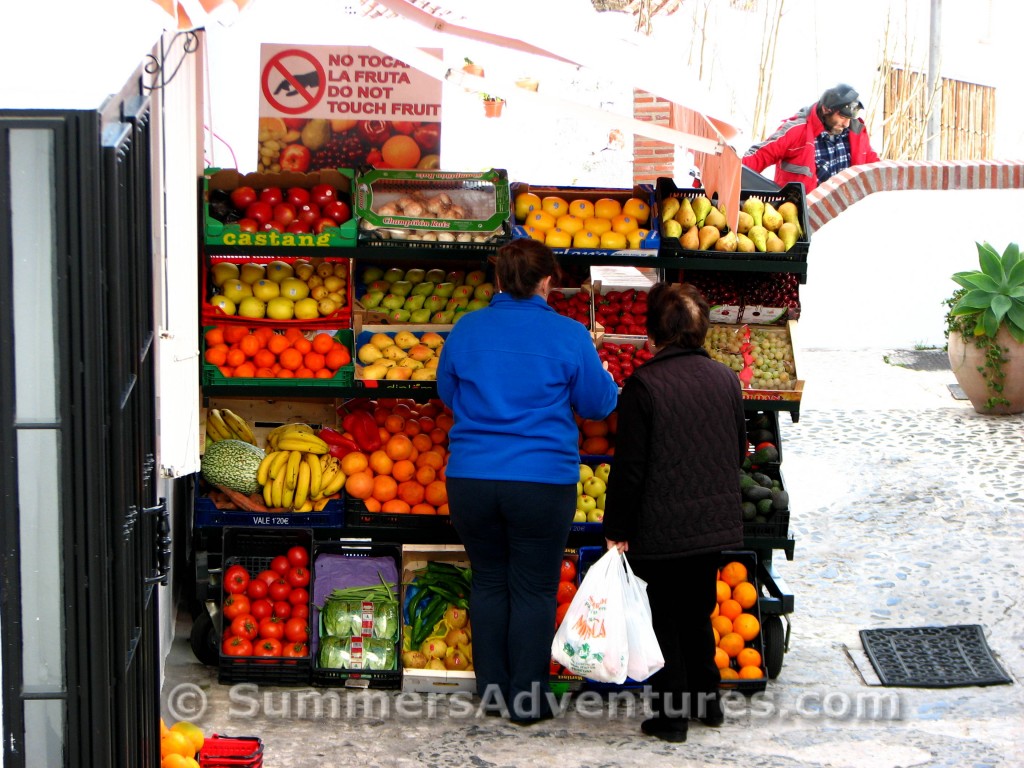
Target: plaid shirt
(831, 153)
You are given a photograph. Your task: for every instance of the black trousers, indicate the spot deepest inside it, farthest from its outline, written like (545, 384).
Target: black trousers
(515, 535)
(682, 595)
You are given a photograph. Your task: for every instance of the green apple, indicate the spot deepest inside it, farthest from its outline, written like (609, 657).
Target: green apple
(371, 300)
(601, 501)
(223, 271)
(280, 308)
(250, 306)
(445, 289)
(586, 503)
(399, 315)
(603, 471)
(484, 291)
(435, 276)
(307, 309)
(415, 276)
(265, 290)
(594, 486)
(414, 302)
(586, 472)
(424, 288)
(294, 289)
(580, 516)
(236, 290)
(579, 489)
(595, 515)
(394, 274)
(372, 273)
(476, 277)
(419, 316)
(224, 304)
(278, 270)
(392, 301)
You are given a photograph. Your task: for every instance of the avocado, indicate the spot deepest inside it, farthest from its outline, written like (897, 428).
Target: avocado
(747, 464)
(762, 479)
(749, 511)
(766, 455)
(756, 493)
(780, 500)
(746, 481)
(764, 507)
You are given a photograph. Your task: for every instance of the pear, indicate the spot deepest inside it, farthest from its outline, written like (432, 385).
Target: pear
(701, 206)
(368, 354)
(381, 340)
(671, 228)
(774, 244)
(685, 216)
(755, 207)
(716, 218)
(789, 212)
(414, 302)
(406, 339)
(707, 237)
(372, 299)
(394, 352)
(744, 222)
(759, 236)
(744, 244)
(669, 207)
(690, 239)
(374, 372)
(398, 373)
(788, 234)
(424, 374)
(726, 242)
(771, 218)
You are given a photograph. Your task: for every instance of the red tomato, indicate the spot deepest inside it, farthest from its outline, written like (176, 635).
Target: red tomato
(257, 588)
(243, 197)
(268, 576)
(322, 194)
(280, 564)
(299, 596)
(296, 630)
(295, 651)
(235, 605)
(568, 570)
(298, 556)
(300, 611)
(297, 576)
(268, 646)
(244, 626)
(282, 609)
(237, 646)
(566, 592)
(271, 195)
(236, 579)
(261, 609)
(271, 628)
(279, 590)
(560, 613)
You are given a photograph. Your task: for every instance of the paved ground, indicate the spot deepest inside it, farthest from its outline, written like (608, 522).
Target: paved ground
(908, 511)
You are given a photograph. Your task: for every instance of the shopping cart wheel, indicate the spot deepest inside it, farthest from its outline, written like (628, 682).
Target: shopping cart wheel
(203, 639)
(774, 638)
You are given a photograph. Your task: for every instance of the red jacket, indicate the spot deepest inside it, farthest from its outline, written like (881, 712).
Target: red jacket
(791, 148)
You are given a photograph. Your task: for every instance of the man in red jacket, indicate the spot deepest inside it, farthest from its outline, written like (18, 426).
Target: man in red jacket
(817, 142)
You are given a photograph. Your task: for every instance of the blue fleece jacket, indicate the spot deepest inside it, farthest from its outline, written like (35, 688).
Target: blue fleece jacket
(513, 373)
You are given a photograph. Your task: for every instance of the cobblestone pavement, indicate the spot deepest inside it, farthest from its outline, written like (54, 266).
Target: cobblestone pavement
(907, 510)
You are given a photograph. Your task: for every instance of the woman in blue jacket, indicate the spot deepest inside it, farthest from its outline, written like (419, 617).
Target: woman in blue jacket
(513, 373)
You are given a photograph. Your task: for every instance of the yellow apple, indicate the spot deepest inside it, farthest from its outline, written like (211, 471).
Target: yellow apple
(265, 290)
(235, 289)
(307, 309)
(252, 307)
(224, 304)
(295, 289)
(222, 271)
(280, 308)
(279, 270)
(251, 272)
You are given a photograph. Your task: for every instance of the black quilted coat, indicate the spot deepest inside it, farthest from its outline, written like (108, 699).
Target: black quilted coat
(680, 441)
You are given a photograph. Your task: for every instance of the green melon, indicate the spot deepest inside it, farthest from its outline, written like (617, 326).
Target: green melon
(233, 464)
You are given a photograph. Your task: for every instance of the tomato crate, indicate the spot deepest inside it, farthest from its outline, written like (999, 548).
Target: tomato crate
(355, 563)
(221, 751)
(321, 285)
(207, 515)
(215, 382)
(254, 549)
(560, 680)
(671, 247)
(221, 228)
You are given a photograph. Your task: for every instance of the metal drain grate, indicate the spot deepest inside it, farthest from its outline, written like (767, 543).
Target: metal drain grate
(919, 359)
(932, 657)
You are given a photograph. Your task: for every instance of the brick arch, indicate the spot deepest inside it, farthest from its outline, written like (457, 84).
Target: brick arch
(828, 200)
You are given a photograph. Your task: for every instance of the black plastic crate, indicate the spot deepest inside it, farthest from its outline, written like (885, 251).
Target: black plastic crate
(670, 247)
(207, 515)
(340, 564)
(254, 548)
(358, 516)
(761, 424)
(776, 524)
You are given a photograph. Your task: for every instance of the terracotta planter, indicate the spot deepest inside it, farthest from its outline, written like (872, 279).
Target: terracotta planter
(965, 359)
(493, 108)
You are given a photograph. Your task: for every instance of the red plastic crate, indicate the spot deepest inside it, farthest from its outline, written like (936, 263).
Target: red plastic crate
(231, 751)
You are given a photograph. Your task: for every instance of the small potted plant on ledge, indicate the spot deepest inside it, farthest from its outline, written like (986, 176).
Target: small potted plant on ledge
(985, 329)
(492, 105)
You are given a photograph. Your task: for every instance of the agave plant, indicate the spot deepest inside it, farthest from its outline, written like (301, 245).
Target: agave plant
(993, 296)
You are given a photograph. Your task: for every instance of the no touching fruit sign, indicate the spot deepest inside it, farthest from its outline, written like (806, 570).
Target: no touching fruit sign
(293, 82)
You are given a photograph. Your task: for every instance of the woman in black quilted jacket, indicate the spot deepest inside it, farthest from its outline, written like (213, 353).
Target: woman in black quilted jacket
(674, 503)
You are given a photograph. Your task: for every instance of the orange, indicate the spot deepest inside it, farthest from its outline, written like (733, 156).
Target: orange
(586, 239)
(592, 428)
(412, 427)
(557, 238)
(422, 442)
(425, 475)
(263, 333)
(372, 505)
(285, 373)
(314, 361)
(613, 241)
(717, 636)
(637, 208)
(438, 435)
(444, 421)
(714, 611)
(216, 355)
(278, 344)
(430, 458)
(395, 506)
(264, 359)
(290, 359)
(748, 657)
(723, 591)
(353, 462)
(337, 357)
(745, 594)
(583, 209)
(730, 609)
(436, 493)
(324, 373)
(245, 371)
(177, 761)
(540, 220)
(569, 223)
(536, 234)
(176, 743)
(303, 373)
(423, 509)
(265, 373)
(302, 344)
(746, 626)
(192, 732)
(163, 728)
(381, 463)
(733, 573)
(235, 357)
(214, 336)
(751, 673)
(249, 344)
(403, 470)
(401, 151)
(411, 492)
(360, 485)
(721, 659)
(731, 643)
(554, 205)
(385, 488)
(525, 203)
(727, 673)
(597, 226)
(595, 446)
(443, 509)
(398, 447)
(383, 434)
(624, 224)
(722, 624)
(607, 208)
(394, 423)
(234, 333)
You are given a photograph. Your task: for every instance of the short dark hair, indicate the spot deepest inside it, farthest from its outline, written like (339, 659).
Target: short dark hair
(522, 264)
(677, 313)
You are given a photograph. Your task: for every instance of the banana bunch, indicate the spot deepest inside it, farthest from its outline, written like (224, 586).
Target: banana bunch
(223, 424)
(295, 437)
(299, 479)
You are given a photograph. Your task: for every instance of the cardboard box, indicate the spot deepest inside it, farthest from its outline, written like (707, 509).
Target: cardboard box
(432, 272)
(367, 332)
(228, 234)
(725, 343)
(415, 558)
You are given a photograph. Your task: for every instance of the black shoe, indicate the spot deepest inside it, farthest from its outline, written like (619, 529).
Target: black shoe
(713, 716)
(525, 721)
(665, 729)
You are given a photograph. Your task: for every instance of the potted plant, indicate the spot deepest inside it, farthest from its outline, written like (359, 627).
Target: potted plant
(985, 329)
(492, 105)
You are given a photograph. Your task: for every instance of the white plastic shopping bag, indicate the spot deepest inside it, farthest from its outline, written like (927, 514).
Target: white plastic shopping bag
(645, 656)
(591, 641)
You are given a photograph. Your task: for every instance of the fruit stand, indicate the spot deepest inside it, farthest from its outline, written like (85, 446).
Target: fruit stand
(319, 346)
